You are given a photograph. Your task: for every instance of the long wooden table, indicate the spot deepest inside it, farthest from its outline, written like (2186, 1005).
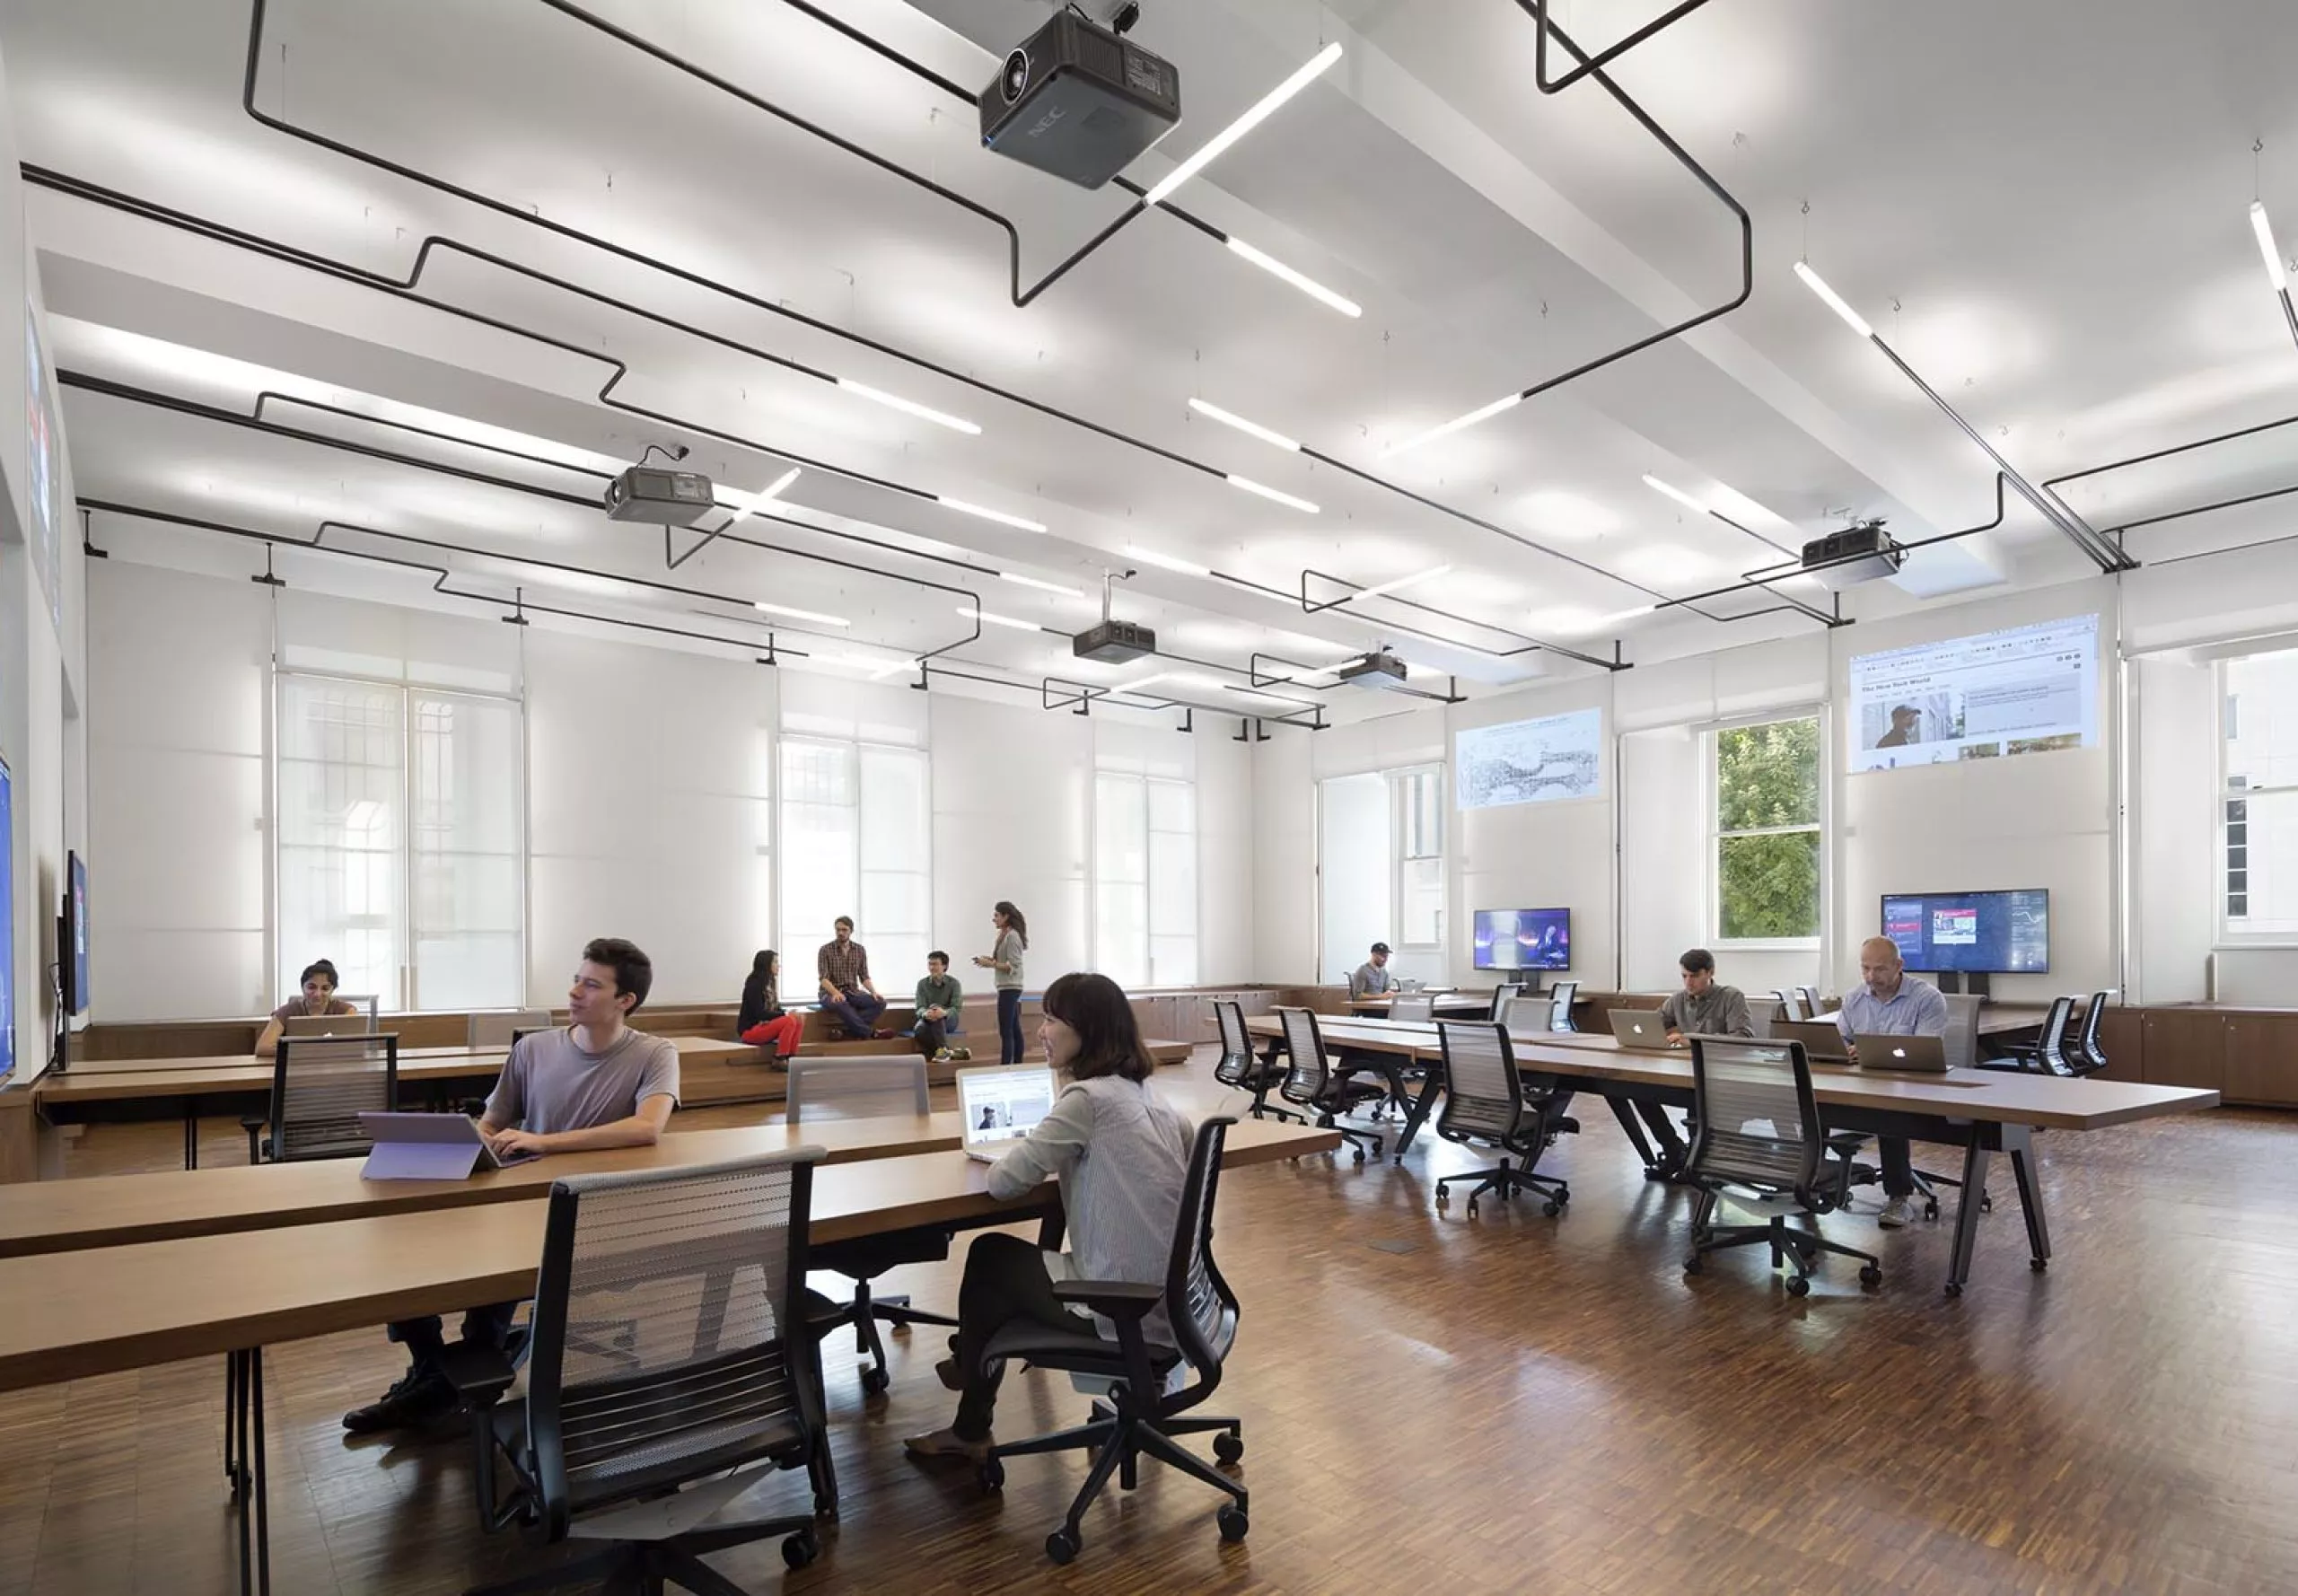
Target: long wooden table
(1981, 1111)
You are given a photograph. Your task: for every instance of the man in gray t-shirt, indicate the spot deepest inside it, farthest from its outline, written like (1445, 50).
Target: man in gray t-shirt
(596, 1085)
(1371, 978)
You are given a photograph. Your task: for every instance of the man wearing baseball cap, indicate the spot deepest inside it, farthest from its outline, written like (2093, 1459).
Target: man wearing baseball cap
(1371, 978)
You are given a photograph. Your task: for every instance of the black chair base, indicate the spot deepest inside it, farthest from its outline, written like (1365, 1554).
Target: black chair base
(1118, 1441)
(1850, 1173)
(1505, 1180)
(864, 1313)
(1358, 1142)
(1800, 1248)
(642, 1568)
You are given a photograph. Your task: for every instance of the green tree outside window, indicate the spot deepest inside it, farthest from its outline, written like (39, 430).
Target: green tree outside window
(1767, 831)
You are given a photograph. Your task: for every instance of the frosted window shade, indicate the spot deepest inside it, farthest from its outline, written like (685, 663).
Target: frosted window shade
(856, 840)
(1144, 880)
(465, 851)
(2258, 809)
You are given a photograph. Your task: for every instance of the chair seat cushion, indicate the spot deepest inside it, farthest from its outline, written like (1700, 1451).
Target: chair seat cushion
(1048, 1348)
(874, 1255)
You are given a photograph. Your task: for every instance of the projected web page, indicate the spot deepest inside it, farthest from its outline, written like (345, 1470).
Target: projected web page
(2028, 690)
(999, 1108)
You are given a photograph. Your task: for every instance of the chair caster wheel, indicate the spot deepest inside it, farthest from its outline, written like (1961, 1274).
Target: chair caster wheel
(1063, 1546)
(1954, 1288)
(1654, 1173)
(2039, 1264)
(1444, 1198)
(802, 1548)
(1931, 1211)
(874, 1382)
(1551, 1209)
(1986, 1202)
(1357, 1157)
(1798, 1286)
(1234, 1524)
(1871, 1276)
(1471, 1207)
(992, 1474)
(1228, 1448)
(1693, 1265)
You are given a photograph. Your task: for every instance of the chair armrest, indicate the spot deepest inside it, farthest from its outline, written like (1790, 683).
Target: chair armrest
(1119, 1300)
(480, 1375)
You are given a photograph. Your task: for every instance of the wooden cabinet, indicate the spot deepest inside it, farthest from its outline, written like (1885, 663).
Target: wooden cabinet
(2122, 1032)
(2262, 1059)
(2184, 1047)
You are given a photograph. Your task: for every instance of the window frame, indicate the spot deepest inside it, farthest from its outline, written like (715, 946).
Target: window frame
(1401, 839)
(1711, 808)
(1145, 955)
(2225, 793)
(852, 750)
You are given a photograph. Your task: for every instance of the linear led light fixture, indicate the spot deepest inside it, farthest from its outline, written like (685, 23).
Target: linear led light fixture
(1231, 419)
(1245, 692)
(795, 614)
(1485, 413)
(746, 504)
(988, 619)
(1135, 686)
(1396, 584)
(1267, 491)
(999, 516)
(1261, 111)
(1832, 300)
(1150, 556)
(2276, 272)
(1300, 280)
(894, 401)
(1044, 587)
(1669, 490)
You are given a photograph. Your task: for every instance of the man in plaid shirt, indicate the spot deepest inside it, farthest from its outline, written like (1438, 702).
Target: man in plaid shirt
(844, 966)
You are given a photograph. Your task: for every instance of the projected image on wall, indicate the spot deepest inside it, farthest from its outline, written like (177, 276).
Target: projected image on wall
(2026, 691)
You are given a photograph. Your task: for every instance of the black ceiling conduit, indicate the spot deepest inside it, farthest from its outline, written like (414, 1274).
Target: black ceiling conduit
(1589, 64)
(500, 207)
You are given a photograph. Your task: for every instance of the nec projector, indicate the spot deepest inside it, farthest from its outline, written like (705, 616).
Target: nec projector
(1379, 668)
(1866, 551)
(666, 498)
(1079, 102)
(1114, 642)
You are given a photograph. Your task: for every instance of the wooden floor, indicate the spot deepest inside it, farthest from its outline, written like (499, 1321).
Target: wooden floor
(1433, 1404)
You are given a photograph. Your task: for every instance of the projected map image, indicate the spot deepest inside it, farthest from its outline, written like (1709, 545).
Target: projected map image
(2026, 691)
(1556, 757)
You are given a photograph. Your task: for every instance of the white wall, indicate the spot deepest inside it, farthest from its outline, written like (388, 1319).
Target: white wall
(1354, 842)
(1284, 857)
(1013, 809)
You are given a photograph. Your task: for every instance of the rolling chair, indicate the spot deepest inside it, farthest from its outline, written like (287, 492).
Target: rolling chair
(1810, 996)
(1559, 1005)
(1141, 1415)
(503, 1027)
(1502, 995)
(320, 1085)
(1791, 1003)
(2090, 1053)
(1237, 1067)
(1486, 1101)
(848, 1088)
(1959, 1043)
(2047, 1054)
(1757, 1131)
(1524, 1012)
(722, 1387)
(1311, 1085)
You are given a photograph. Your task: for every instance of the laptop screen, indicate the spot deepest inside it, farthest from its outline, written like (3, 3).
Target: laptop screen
(999, 1105)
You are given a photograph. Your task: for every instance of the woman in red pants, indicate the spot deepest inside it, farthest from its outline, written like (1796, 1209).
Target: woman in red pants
(763, 1023)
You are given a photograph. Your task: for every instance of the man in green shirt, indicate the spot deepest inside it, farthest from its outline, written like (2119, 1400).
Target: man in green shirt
(938, 1000)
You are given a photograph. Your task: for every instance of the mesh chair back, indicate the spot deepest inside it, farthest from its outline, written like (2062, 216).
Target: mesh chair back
(667, 1345)
(1484, 1096)
(1960, 1040)
(1559, 1005)
(1308, 1075)
(1810, 996)
(502, 1028)
(1202, 1308)
(320, 1085)
(1758, 1125)
(1235, 1062)
(1790, 1004)
(1523, 1012)
(2050, 1051)
(1501, 995)
(2089, 1047)
(1420, 1009)
(856, 1088)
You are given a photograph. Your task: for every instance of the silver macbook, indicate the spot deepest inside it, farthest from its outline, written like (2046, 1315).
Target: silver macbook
(1925, 1054)
(1641, 1028)
(1822, 1042)
(1001, 1106)
(303, 1025)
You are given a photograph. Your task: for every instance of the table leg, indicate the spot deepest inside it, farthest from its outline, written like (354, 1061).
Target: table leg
(2018, 1140)
(1625, 1112)
(1967, 1211)
(1422, 1107)
(244, 1462)
(191, 1133)
(256, 1462)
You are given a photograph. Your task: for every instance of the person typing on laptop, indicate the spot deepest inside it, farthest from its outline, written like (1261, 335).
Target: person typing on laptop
(596, 1085)
(1890, 1002)
(319, 982)
(1704, 1007)
(1122, 1156)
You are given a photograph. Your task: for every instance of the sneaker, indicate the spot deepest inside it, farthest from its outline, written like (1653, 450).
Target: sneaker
(885, 1033)
(961, 1055)
(937, 1444)
(419, 1398)
(1898, 1213)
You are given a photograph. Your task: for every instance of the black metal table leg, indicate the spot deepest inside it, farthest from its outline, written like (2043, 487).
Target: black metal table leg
(1966, 1210)
(191, 1133)
(251, 1483)
(1625, 1112)
(1422, 1106)
(2018, 1140)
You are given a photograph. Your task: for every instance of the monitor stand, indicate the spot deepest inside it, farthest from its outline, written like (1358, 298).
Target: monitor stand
(1974, 983)
(1532, 986)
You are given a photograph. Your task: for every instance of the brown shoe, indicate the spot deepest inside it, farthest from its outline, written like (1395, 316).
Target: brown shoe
(951, 1376)
(883, 1033)
(937, 1444)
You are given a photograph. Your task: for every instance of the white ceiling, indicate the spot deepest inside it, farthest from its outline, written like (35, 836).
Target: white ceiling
(2042, 207)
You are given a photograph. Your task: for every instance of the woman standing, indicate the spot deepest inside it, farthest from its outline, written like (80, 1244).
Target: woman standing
(1013, 938)
(763, 1022)
(319, 982)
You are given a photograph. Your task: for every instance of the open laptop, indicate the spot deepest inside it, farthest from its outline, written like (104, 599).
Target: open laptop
(1001, 1105)
(1822, 1042)
(303, 1025)
(427, 1147)
(1640, 1029)
(1925, 1053)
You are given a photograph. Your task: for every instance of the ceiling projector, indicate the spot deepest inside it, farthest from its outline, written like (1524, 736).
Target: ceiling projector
(666, 498)
(1079, 102)
(1865, 550)
(1379, 668)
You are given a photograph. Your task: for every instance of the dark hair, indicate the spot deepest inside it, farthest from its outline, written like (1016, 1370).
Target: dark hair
(1108, 1042)
(937, 954)
(321, 967)
(844, 920)
(763, 964)
(633, 972)
(1014, 920)
(1696, 959)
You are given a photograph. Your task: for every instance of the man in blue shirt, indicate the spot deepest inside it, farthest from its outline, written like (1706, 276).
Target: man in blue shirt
(1890, 1002)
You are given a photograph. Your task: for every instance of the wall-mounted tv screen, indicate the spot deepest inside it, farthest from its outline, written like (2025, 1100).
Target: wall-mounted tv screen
(75, 936)
(2006, 932)
(1523, 939)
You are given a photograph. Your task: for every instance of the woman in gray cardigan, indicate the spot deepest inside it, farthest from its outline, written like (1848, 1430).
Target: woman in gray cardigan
(1013, 939)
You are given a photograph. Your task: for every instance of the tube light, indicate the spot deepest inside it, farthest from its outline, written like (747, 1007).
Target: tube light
(1150, 556)
(894, 401)
(2274, 270)
(1043, 587)
(998, 516)
(1244, 692)
(1486, 414)
(1267, 491)
(813, 615)
(1231, 419)
(985, 616)
(1397, 584)
(1833, 299)
(1675, 493)
(884, 670)
(1261, 112)
(1300, 280)
(746, 504)
(1152, 679)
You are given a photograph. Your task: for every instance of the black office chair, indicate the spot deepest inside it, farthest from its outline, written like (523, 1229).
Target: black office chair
(1238, 1066)
(1311, 1085)
(857, 1087)
(2090, 1053)
(1756, 1130)
(1810, 996)
(1959, 1043)
(1486, 1101)
(723, 1385)
(1196, 1305)
(320, 1085)
(1559, 1005)
(2047, 1054)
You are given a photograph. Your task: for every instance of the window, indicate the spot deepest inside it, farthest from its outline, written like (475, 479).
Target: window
(1765, 848)
(400, 851)
(856, 840)
(2258, 798)
(1144, 880)
(1417, 802)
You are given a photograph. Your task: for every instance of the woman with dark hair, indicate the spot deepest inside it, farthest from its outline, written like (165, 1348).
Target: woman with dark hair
(319, 983)
(1122, 1157)
(1013, 938)
(763, 1022)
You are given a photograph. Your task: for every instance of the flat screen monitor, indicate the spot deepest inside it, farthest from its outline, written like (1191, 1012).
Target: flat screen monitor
(1523, 939)
(2000, 933)
(7, 925)
(75, 936)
